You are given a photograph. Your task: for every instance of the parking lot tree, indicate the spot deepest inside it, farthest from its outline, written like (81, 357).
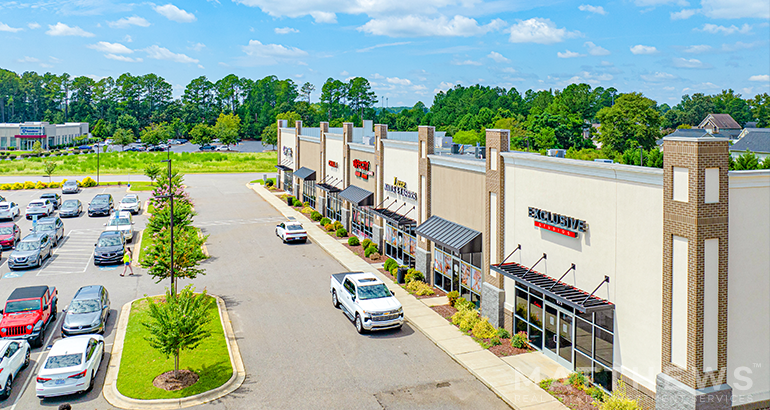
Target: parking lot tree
(161, 217)
(49, 167)
(179, 323)
(227, 128)
(155, 134)
(270, 136)
(201, 134)
(123, 137)
(152, 170)
(187, 253)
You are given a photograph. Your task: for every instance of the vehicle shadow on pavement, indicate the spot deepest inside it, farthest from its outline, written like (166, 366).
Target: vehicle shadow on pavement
(230, 302)
(405, 331)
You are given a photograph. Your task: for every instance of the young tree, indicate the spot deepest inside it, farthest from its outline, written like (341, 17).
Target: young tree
(201, 134)
(227, 128)
(123, 137)
(746, 162)
(49, 167)
(161, 218)
(270, 136)
(187, 253)
(179, 323)
(152, 171)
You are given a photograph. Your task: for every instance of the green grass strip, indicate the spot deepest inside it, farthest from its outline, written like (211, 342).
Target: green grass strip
(140, 363)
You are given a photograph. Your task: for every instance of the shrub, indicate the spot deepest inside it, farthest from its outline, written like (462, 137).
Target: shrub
(495, 341)
(545, 384)
(366, 243)
(269, 183)
(76, 151)
(29, 185)
(54, 185)
(316, 216)
(329, 227)
(452, 296)
(307, 210)
(296, 202)
(17, 186)
(388, 263)
(419, 288)
(464, 304)
(370, 250)
(88, 182)
(5, 187)
(577, 380)
(375, 256)
(414, 275)
(325, 221)
(337, 225)
(306, 203)
(342, 232)
(468, 319)
(40, 185)
(12, 156)
(596, 393)
(503, 334)
(619, 401)
(484, 330)
(520, 340)
(353, 241)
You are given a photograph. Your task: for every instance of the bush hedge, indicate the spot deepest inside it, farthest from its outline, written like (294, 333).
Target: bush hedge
(329, 227)
(414, 275)
(520, 340)
(389, 263)
(484, 330)
(341, 233)
(353, 241)
(452, 296)
(316, 216)
(88, 182)
(366, 242)
(337, 225)
(325, 221)
(372, 248)
(419, 288)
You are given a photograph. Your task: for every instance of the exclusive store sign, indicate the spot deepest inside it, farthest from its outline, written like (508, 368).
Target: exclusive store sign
(561, 224)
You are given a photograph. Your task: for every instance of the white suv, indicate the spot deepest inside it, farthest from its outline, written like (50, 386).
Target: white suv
(123, 223)
(130, 203)
(14, 356)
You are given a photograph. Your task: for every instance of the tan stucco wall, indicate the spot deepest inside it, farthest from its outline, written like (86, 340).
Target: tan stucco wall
(458, 196)
(287, 140)
(311, 155)
(367, 184)
(334, 153)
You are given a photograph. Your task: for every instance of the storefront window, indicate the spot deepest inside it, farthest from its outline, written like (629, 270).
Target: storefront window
(521, 303)
(603, 346)
(288, 184)
(308, 192)
(452, 273)
(536, 311)
(334, 207)
(583, 336)
(603, 377)
(361, 222)
(400, 243)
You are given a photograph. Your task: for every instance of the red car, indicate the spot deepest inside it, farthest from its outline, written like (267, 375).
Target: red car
(10, 234)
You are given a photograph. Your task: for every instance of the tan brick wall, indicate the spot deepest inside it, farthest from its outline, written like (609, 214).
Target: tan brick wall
(644, 396)
(498, 140)
(347, 136)
(426, 138)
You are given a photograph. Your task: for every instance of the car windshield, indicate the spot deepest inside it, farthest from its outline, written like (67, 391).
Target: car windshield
(22, 306)
(27, 246)
(118, 222)
(373, 291)
(3, 207)
(6, 230)
(36, 204)
(128, 200)
(48, 196)
(45, 227)
(70, 204)
(65, 360)
(112, 240)
(99, 201)
(294, 227)
(84, 306)
(70, 183)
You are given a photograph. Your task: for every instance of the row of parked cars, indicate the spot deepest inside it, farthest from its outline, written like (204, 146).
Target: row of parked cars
(72, 362)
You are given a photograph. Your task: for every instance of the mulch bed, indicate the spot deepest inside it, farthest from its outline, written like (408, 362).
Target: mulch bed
(570, 396)
(446, 311)
(167, 381)
(359, 250)
(437, 292)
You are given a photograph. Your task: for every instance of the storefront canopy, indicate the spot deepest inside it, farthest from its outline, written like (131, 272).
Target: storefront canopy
(450, 235)
(394, 218)
(283, 167)
(357, 196)
(305, 173)
(566, 294)
(328, 188)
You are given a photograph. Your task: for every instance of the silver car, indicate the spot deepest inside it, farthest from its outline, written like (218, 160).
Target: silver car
(31, 251)
(70, 187)
(52, 226)
(88, 311)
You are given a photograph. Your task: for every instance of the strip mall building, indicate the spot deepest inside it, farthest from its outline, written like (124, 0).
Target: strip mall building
(659, 278)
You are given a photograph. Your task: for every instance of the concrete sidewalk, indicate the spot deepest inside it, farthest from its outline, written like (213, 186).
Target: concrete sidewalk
(514, 379)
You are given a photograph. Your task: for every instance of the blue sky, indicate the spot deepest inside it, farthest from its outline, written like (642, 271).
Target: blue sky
(408, 49)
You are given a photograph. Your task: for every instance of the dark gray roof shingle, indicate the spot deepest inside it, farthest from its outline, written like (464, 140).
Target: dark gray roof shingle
(754, 141)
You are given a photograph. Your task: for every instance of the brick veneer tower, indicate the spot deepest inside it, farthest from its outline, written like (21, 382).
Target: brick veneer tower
(426, 145)
(321, 172)
(279, 157)
(492, 293)
(380, 133)
(347, 136)
(297, 133)
(695, 252)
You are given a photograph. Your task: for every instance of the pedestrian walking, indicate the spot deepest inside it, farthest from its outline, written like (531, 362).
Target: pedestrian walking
(127, 262)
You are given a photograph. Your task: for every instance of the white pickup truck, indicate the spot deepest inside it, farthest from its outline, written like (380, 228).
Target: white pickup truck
(366, 301)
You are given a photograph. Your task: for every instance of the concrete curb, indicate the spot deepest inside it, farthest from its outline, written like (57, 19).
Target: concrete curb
(115, 398)
(137, 242)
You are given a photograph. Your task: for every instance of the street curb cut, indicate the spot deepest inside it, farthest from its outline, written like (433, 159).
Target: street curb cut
(115, 398)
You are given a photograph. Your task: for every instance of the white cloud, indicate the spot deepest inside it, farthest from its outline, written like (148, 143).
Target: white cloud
(33, 25)
(285, 30)
(658, 77)
(161, 53)
(760, 78)
(731, 9)
(5, 27)
(691, 63)
(197, 46)
(401, 43)
(592, 9)
(128, 39)
(110, 48)
(640, 49)
(127, 22)
(715, 29)
(669, 88)
(443, 86)
(466, 62)
(569, 54)
(740, 45)
(419, 26)
(344, 73)
(174, 13)
(124, 59)
(655, 3)
(683, 14)
(540, 31)
(377, 76)
(595, 50)
(28, 59)
(270, 54)
(697, 49)
(587, 77)
(61, 29)
(324, 17)
(399, 81)
(497, 57)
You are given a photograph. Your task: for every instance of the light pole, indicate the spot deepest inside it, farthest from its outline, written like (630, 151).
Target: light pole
(98, 149)
(170, 197)
(641, 156)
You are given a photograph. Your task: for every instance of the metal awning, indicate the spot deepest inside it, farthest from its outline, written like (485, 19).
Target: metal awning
(567, 294)
(393, 217)
(357, 196)
(305, 173)
(328, 188)
(283, 168)
(450, 235)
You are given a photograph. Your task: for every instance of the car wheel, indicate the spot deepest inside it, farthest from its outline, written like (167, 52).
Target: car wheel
(39, 262)
(26, 360)
(335, 301)
(7, 390)
(359, 324)
(54, 310)
(39, 340)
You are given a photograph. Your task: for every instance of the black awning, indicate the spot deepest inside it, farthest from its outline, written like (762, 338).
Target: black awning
(328, 188)
(394, 218)
(567, 294)
(283, 168)
(357, 196)
(450, 235)
(305, 173)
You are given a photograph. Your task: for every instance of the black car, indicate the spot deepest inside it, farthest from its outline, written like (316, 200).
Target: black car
(102, 204)
(88, 311)
(207, 147)
(109, 248)
(155, 148)
(54, 197)
(71, 208)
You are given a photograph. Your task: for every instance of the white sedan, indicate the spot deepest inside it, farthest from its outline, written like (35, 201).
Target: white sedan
(131, 203)
(9, 210)
(71, 366)
(14, 356)
(291, 231)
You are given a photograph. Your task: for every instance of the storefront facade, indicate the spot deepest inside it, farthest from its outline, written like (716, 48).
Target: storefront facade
(23, 136)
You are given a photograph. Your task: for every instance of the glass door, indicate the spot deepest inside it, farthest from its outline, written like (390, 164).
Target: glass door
(558, 328)
(551, 326)
(565, 338)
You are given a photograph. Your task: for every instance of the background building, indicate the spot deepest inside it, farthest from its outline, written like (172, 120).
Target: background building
(23, 136)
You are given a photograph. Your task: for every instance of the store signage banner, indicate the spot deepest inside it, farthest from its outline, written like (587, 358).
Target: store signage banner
(288, 152)
(399, 188)
(561, 224)
(333, 164)
(30, 131)
(362, 169)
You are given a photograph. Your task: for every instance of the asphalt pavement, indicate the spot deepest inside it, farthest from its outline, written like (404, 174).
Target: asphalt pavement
(299, 351)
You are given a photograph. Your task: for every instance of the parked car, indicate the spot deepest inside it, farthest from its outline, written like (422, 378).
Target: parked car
(71, 208)
(14, 356)
(123, 223)
(84, 147)
(366, 301)
(130, 203)
(54, 197)
(225, 148)
(155, 148)
(291, 231)
(28, 312)
(39, 207)
(70, 187)
(87, 312)
(102, 204)
(109, 248)
(53, 226)
(135, 149)
(206, 147)
(9, 210)
(31, 251)
(10, 234)
(70, 367)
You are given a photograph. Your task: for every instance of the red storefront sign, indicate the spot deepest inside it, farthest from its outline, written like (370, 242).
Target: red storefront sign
(362, 169)
(333, 164)
(556, 229)
(30, 136)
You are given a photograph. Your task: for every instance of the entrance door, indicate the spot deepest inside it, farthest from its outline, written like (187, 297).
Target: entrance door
(551, 327)
(558, 328)
(455, 274)
(565, 338)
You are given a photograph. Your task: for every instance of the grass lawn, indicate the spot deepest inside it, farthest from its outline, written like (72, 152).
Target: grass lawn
(260, 181)
(140, 363)
(146, 242)
(117, 163)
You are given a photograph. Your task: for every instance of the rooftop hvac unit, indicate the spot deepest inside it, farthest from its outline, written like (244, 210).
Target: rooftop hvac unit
(604, 160)
(557, 153)
(368, 140)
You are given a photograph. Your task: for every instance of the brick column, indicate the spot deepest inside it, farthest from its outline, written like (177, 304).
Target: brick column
(279, 155)
(380, 133)
(347, 136)
(320, 203)
(423, 259)
(492, 293)
(695, 256)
